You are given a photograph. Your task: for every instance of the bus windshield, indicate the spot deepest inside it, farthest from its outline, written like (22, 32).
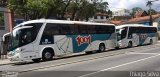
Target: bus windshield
(118, 34)
(121, 33)
(23, 35)
(20, 37)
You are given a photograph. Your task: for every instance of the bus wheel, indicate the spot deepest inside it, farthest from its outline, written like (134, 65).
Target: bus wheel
(101, 48)
(130, 44)
(47, 54)
(151, 42)
(36, 60)
(88, 52)
(116, 48)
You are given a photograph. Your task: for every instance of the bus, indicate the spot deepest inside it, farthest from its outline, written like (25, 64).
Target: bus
(44, 39)
(129, 35)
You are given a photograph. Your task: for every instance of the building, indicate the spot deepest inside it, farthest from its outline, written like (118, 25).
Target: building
(100, 18)
(138, 20)
(5, 23)
(141, 14)
(121, 12)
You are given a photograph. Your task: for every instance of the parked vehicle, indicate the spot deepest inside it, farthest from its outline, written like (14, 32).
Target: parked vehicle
(44, 38)
(129, 35)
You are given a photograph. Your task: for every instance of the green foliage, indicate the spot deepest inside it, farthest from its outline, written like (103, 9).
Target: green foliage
(152, 11)
(1, 19)
(135, 9)
(35, 9)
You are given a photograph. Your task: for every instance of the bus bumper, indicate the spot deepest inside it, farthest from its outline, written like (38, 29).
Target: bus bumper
(15, 57)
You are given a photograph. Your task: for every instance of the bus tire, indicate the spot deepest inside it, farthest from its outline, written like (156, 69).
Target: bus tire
(47, 54)
(36, 60)
(151, 42)
(116, 48)
(130, 44)
(88, 52)
(101, 48)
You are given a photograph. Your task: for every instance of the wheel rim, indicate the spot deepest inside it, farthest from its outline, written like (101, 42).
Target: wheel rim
(101, 48)
(130, 45)
(151, 41)
(47, 55)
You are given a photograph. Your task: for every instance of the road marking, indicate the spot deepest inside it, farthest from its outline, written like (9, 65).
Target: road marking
(78, 61)
(120, 65)
(143, 53)
(89, 59)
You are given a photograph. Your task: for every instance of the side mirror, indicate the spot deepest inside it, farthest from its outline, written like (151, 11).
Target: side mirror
(5, 35)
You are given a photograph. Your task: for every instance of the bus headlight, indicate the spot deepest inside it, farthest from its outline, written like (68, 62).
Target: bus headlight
(18, 50)
(11, 53)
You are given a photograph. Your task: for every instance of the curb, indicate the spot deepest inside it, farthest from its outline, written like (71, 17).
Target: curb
(5, 63)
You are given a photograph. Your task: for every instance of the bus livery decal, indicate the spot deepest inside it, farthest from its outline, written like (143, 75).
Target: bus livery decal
(83, 39)
(82, 42)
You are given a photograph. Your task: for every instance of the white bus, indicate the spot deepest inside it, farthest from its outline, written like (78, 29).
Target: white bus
(44, 39)
(135, 34)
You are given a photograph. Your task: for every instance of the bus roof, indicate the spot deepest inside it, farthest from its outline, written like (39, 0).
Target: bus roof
(132, 25)
(61, 22)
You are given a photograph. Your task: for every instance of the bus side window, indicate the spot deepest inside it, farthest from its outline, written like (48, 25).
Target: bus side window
(91, 29)
(82, 29)
(130, 32)
(111, 29)
(124, 33)
(100, 29)
(65, 29)
(50, 30)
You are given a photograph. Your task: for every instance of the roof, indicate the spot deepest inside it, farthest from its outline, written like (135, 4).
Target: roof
(144, 18)
(135, 20)
(140, 13)
(132, 25)
(61, 22)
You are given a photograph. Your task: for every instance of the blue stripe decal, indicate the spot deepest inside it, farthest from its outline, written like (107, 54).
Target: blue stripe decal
(81, 42)
(144, 36)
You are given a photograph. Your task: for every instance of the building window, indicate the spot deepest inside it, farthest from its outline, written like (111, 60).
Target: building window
(2, 27)
(101, 17)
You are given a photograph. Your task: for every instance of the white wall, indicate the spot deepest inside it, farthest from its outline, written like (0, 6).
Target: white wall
(122, 12)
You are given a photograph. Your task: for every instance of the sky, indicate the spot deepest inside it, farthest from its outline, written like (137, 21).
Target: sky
(129, 4)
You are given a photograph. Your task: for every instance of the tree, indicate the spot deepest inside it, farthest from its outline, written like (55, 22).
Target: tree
(134, 10)
(87, 10)
(1, 19)
(152, 11)
(3, 3)
(35, 9)
(110, 13)
(66, 4)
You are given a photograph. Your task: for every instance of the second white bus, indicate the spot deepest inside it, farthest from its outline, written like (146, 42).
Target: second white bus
(135, 34)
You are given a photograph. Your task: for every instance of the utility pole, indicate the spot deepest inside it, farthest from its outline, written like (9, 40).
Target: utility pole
(149, 3)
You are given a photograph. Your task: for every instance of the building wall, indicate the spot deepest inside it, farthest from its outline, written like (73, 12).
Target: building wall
(7, 22)
(99, 18)
(122, 12)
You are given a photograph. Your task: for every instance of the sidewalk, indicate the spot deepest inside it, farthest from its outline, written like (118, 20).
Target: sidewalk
(5, 62)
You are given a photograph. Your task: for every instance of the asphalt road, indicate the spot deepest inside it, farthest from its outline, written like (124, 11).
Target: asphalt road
(142, 61)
